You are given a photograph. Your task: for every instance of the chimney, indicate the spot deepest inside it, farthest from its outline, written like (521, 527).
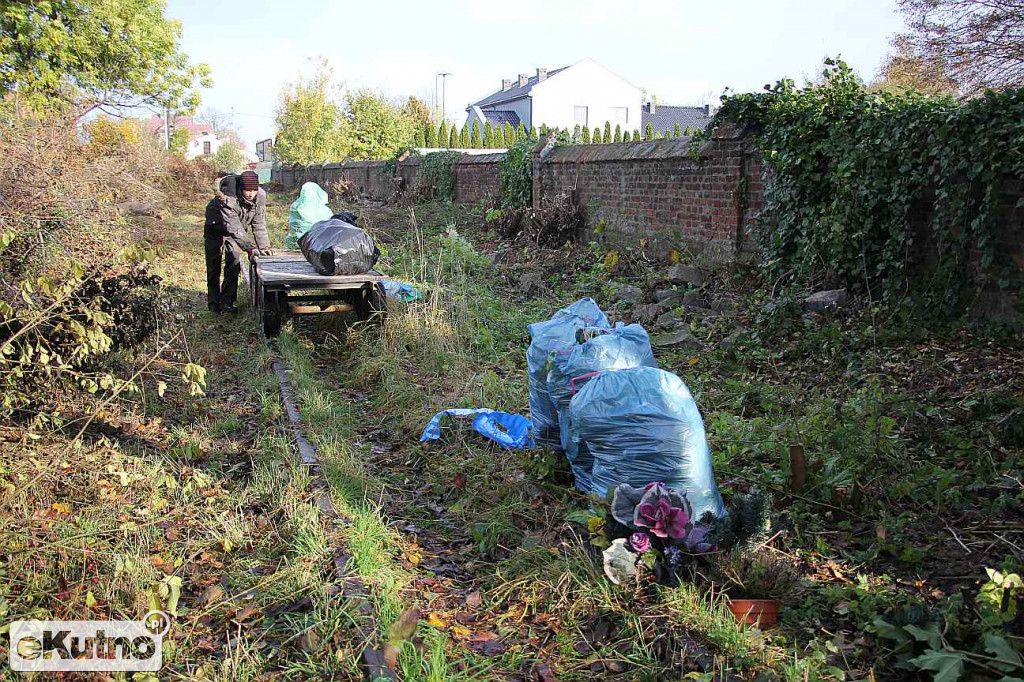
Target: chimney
(542, 74)
(707, 109)
(523, 80)
(506, 84)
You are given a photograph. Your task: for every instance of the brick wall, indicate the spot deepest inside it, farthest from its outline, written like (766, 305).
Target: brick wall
(704, 203)
(661, 192)
(476, 178)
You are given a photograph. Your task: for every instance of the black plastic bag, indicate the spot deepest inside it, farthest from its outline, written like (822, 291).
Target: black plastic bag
(347, 216)
(335, 247)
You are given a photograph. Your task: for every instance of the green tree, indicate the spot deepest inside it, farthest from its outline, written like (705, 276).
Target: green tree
(499, 136)
(475, 140)
(668, 133)
(309, 123)
(521, 133)
(586, 135)
(442, 134)
(464, 142)
(618, 133)
(607, 137)
(376, 127)
(488, 135)
(179, 141)
(229, 158)
(453, 138)
(677, 131)
(636, 135)
(510, 134)
(533, 133)
(417, 111)
(649, 132)
(597, 136)
(431, 137)
(544, 130)
(421, 140)
(106, 52)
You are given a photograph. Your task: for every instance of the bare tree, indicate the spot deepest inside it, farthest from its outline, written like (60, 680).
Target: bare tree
(977, 43)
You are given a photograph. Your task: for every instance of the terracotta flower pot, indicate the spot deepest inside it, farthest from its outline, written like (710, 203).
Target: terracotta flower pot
(763, 612)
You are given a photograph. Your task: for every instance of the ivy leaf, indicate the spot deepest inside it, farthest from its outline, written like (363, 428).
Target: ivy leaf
(1001, 649)
(947, 665)
(930, 635)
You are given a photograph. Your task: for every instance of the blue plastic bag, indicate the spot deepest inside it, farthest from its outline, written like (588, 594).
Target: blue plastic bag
(641, 425)
(401, 292)
(546, 337)
(507, 430)
(572, 367)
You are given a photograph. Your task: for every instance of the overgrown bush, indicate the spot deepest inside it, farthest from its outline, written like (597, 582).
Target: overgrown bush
(866, 185)
(72, 286)
(515, 172)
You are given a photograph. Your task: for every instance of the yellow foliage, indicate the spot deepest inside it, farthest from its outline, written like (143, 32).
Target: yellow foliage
(110, 137)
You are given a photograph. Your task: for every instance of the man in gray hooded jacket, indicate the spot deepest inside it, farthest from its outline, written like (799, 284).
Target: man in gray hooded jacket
(240, 206)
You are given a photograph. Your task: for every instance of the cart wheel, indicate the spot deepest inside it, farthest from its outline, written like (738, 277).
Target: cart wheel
(372, 302)
(272, 312)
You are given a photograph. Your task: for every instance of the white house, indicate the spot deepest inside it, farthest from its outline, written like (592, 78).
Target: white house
(202, 140)
(583, 93)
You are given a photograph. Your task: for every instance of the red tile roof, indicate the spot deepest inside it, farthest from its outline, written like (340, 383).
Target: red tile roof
(156, 124)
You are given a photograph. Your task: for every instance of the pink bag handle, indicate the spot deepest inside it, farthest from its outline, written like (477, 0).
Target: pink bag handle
(572, 382)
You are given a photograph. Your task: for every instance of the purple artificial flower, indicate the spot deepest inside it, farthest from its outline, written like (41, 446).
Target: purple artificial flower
(662, 519)
(640, 542)
(673, 555)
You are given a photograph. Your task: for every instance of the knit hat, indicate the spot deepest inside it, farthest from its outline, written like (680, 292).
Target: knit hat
(249, 180)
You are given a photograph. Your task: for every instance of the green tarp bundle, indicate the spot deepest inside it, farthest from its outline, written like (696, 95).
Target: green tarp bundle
(310, 208)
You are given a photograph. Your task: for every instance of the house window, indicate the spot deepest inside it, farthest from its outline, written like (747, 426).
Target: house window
(206, 149)
(580, 114)
(620, 114)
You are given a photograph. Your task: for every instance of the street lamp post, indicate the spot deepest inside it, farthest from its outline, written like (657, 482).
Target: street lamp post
(444, 76)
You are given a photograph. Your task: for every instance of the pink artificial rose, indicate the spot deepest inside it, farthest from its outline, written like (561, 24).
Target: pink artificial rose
(640, 542)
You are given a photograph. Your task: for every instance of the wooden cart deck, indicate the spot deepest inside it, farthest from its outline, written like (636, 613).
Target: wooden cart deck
(290, 270)
(285, 283)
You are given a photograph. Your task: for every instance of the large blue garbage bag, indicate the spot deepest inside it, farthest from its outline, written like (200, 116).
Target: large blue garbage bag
(573, 366)
(507, 430)
(642, 425)
(558, 332)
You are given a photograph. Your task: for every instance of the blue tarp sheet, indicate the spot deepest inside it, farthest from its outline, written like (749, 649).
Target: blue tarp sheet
(507, 430)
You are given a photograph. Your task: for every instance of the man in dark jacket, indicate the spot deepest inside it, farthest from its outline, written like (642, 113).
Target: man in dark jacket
(240, 206)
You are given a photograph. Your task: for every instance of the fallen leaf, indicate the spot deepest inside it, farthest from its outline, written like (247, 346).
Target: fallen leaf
(437, 621)
(390, 655)
(462, 632)
(212, 594)
(308, 641)
(460, 480)
(403, 628)
(247, 612)
(473, 599)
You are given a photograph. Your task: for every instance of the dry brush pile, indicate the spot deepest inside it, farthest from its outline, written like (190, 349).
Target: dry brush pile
(73, 278)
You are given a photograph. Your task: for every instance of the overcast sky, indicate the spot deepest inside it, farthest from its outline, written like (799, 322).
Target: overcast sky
(683, 52)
